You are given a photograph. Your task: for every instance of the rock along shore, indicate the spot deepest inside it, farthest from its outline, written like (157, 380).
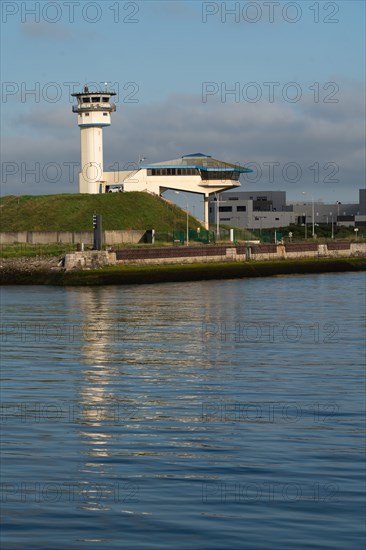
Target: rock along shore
(49, 271)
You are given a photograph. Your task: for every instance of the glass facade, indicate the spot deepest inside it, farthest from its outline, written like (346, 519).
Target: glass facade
(172, 172)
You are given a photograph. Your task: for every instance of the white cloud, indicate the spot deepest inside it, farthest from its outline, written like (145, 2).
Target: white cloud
(46, 31)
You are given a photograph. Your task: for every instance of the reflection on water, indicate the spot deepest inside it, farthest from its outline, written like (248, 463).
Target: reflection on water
(224, 414)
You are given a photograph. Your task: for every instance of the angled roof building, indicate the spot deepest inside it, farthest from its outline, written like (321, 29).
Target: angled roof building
(195, 173)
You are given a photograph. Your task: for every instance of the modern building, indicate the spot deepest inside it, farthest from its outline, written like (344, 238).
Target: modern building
(195, 173)
(269, 209)
(362, 202)
(339, 213)
(360, 218)
(252, 209)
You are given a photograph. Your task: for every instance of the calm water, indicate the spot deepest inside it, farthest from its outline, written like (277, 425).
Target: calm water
(208, 415)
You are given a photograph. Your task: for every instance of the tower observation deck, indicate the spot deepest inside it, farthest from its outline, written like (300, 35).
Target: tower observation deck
(94, 112)
(194, 173)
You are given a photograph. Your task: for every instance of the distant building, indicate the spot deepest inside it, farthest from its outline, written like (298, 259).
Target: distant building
(360, 218)
(340, 213)
(252, 209)
(269, 209)
(362, 202)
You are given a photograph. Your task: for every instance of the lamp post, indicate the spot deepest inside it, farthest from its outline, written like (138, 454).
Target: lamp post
(236, 225)
(312, 212)
(218, 201)
(331, 217)
(181, 193)
(337, 203)
(260, 223)
(306, 225)
(141, 159)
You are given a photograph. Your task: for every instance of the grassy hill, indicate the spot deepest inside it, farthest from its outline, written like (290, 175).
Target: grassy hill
(73, 212)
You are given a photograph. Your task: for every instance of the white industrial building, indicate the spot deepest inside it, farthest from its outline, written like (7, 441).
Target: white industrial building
(252, 209)
(195, 173)
(269, 209)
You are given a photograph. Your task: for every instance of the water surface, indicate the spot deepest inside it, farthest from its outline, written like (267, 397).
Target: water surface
(205, 415)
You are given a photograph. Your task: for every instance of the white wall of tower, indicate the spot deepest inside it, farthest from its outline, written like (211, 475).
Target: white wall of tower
(91, 169)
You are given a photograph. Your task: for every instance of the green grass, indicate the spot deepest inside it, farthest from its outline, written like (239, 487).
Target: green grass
(74, 212)
(25, 250)
(35, 250)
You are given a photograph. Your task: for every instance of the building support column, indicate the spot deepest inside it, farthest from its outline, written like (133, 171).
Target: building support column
(205, 216)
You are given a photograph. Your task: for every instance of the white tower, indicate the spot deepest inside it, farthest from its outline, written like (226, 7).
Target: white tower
(94, 111)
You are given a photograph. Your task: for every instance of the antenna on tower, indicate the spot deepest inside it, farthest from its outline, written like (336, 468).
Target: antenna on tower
(106, 86)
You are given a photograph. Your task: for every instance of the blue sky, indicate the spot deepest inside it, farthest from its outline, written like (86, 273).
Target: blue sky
(173, 64)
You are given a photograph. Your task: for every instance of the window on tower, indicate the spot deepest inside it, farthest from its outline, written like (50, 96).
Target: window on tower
(86, 99)
(95, 99)
(105, 99)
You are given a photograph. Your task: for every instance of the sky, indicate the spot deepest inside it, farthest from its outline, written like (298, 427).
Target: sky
(277, 86)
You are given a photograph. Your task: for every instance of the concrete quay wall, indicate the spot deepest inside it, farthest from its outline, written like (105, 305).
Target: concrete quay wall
(181, 260)
(89, 260)
(70, 237)
(240, 253)
(210, 254)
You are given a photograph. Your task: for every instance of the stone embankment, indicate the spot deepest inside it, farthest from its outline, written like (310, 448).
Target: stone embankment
(89, 260)
(30, 265)
(49, 264)
(239, 253)
(139, 265)
(213, 254)
(184, 255)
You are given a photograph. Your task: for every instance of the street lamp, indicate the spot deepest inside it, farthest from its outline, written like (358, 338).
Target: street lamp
(306, 225)
(337, 203)
(141, 159)
(312, 211)
(260, 223)
(181, 193)
(218, 202)
(331, 217)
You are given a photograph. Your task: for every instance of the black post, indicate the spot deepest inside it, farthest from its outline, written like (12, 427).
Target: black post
(97, 225)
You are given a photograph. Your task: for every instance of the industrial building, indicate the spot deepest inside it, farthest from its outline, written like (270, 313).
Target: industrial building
(269, 209)
(251, 209)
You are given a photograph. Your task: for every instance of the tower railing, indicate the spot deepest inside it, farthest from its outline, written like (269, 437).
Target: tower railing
(93, 107)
